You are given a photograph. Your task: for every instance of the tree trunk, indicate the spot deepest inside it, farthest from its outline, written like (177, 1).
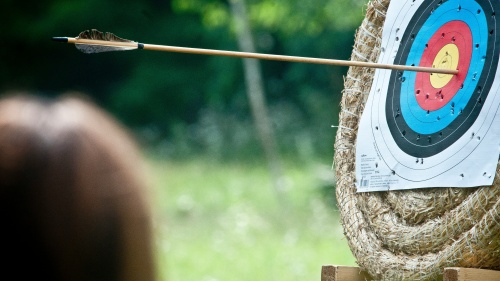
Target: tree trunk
(255, 93)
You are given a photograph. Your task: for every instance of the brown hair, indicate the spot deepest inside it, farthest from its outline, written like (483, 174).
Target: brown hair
(72, 193)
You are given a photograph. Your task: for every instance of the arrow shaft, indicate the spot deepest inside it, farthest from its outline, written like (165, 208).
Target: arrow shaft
(165, 48)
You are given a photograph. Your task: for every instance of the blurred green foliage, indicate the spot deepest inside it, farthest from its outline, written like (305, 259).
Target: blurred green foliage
(187, 104)
(221, 222)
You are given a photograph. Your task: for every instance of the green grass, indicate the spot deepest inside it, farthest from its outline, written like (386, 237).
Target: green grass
(223, 221)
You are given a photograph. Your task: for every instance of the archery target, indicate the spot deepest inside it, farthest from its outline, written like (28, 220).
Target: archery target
(423, 125)
(432, 118)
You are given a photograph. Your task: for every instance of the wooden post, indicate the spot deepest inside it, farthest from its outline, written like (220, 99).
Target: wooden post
(353, 273)
(343, 273)
(470, 274)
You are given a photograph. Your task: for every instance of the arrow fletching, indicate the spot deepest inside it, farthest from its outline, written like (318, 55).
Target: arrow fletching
(94, 34)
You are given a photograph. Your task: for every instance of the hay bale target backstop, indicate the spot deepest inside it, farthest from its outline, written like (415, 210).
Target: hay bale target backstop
(408, 234)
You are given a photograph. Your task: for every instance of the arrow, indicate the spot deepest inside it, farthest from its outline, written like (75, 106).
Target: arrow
(94, 41)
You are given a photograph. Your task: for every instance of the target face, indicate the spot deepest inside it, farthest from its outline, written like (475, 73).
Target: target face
(432, 111)
(424, 128)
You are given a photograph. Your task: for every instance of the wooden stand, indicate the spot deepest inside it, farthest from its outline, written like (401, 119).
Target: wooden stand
(352, 273)
(343, 273)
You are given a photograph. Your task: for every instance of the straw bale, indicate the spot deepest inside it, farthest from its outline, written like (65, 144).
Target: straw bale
(409, 234)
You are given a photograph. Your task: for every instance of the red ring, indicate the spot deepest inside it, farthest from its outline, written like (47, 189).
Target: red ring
(454, 32)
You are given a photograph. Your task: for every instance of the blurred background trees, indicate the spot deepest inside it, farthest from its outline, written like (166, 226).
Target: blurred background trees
(213, 201)
(179, 104)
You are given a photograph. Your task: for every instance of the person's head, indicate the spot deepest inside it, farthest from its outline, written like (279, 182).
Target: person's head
(72, 196)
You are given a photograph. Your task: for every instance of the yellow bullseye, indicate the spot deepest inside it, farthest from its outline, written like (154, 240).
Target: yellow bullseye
(446, 58)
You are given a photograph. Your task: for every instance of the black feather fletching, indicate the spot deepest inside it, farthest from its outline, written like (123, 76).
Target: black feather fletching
(94, 34)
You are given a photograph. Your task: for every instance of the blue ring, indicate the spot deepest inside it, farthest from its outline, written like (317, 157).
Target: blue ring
(418, 119)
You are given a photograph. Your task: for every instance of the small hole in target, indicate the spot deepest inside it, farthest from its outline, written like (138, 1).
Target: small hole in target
(439, 94)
